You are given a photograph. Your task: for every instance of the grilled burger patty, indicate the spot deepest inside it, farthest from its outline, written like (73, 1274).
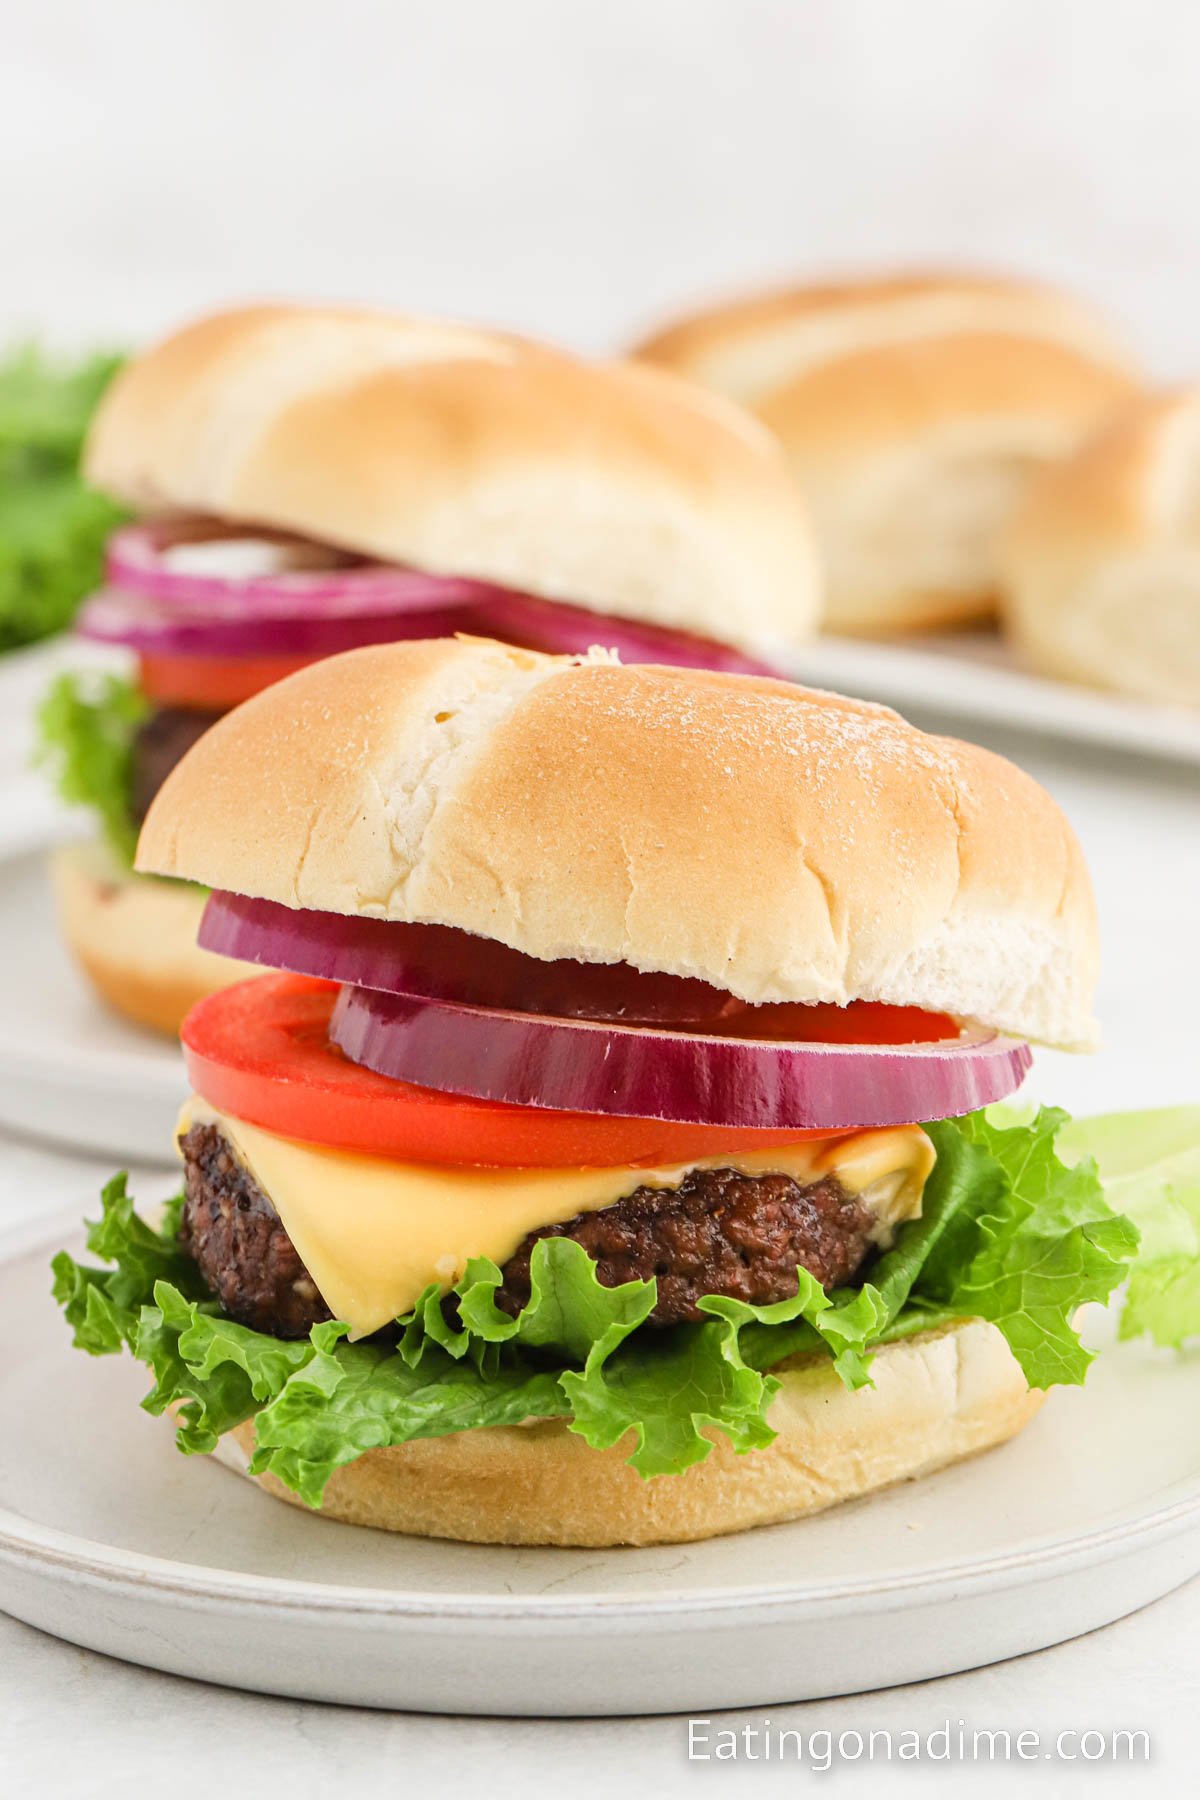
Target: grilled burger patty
(159, 743)
(718, 1232)
(236, 1238)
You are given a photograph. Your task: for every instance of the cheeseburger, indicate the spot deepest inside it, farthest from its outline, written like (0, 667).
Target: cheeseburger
(609, 1164)
(309, 480)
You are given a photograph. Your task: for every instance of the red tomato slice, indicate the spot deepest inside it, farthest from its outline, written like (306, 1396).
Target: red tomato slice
(260, 1050)
(209, 683)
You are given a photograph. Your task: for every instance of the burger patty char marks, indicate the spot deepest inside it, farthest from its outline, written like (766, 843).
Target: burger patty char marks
(237, 1240)
(159, 743)
(718, 1232)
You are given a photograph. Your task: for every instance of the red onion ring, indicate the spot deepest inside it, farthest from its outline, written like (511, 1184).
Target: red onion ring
(555, 627)
(576, 1066)
(438, 962)
(114, 617)
(135, 564)
(149, 606)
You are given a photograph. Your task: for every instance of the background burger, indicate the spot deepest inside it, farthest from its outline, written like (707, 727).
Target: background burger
(310, 480)
(611, 1168)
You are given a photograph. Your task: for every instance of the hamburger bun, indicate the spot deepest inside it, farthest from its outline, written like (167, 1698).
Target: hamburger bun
(748, 347)
(937, 1397)
(135, 939)
(1101, 566)
(913, 415)
(468, 452)
(779, 843)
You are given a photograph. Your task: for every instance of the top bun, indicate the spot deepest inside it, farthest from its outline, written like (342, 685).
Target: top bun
(913, 414)
(468, 452)
(748, 347)
(1102, 565)
(778, 843)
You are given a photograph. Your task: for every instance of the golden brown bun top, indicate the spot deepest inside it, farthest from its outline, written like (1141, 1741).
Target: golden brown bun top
(748, 347)
(779, 843)
(468, 452)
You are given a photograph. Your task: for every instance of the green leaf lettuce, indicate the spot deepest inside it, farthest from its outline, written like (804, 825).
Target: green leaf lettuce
(52, 527)
(87, 725)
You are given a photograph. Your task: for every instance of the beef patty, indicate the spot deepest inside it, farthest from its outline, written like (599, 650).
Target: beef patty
(718, 1232)
(236, 1238)
(159, 743)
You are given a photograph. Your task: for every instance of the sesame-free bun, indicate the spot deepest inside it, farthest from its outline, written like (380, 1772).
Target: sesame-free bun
(913, 414)
(468, 452)
(135, 939)
(748, 347)
(1101, 566)
(936, 1398)
(778, 843)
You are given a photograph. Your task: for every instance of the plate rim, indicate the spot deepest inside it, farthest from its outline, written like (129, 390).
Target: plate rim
(45, 1549)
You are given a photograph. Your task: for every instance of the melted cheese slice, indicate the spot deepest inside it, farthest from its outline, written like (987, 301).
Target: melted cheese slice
(374, 1233)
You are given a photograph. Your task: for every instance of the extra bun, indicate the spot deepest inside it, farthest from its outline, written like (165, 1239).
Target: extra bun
(135, 939)
(913, 416)
(749, 347)
(937, 1398)
(468, 452)
(1102, 564)
(779, 843)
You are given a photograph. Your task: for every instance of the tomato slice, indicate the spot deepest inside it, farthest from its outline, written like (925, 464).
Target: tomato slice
(260, 1050)
(209, 683)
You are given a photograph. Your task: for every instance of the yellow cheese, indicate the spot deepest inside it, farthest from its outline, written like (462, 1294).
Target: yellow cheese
(373, 1233)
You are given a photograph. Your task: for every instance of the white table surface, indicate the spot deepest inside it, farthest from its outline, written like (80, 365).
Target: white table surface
(72, 1722)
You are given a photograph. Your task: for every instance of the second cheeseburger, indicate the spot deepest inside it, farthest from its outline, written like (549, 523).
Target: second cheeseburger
(621, 1117)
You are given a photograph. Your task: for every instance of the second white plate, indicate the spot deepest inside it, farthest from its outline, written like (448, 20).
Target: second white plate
(973, 677)
(70, 1070)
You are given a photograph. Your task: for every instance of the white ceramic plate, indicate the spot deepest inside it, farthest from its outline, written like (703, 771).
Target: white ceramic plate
(71, 1071)
(112, 1540)
(975, 678)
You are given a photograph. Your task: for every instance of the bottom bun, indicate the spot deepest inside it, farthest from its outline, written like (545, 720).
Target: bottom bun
(135, 937)
(937, 1397)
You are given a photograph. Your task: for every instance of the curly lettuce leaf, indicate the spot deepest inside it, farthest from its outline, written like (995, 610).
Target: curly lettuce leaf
(1028, 1253)
(52, 527)
(87, 725)
(1150, 1165)
(1009, 1232)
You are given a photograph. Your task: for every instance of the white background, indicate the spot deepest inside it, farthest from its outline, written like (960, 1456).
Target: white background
(579, 170)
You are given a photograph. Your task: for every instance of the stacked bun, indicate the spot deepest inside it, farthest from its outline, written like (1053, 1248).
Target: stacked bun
(913, 413)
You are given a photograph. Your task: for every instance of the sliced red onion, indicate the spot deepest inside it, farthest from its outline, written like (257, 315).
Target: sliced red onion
(115, 617)
(150, 605)
(553, 626)
(437, 962)
(138, 564)
(575, 1066)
